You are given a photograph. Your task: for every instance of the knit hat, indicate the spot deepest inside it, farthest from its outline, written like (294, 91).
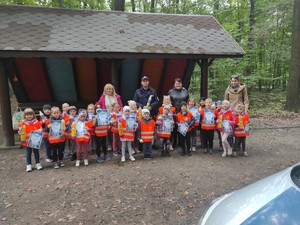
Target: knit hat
(145, 111)
(72, 107)
(219, 102)
(183, 103)
(47, 106)
(126, 108)
(167, 107)
(82, 112)
(131, 103)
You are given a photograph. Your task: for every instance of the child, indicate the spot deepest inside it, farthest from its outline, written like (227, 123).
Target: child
(101, 134)
(127, 136)
(219, 107)
(29, 124)
(226, 113)
(56, 124)
(196, 114)
(82, 127)
(241, 119)
(72, 112)
(137, 113)
(91, 115)
(146, 132)
(208, 116)
(65, 108)
(185, 118)
(44, 117)
(201, 106)
(115, 120)
(162, 133)
(172, 109)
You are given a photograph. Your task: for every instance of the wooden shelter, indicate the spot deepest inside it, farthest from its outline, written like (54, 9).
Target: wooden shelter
(64, 55)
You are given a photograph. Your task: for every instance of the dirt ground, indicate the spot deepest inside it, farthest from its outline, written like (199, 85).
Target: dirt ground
(173, 190)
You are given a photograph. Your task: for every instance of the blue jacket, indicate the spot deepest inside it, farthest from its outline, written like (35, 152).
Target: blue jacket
(141, 98)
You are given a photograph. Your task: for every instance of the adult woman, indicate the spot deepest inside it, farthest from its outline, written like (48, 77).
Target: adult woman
(108, 98)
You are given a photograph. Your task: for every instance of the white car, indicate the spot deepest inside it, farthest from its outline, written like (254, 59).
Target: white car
(274, 200)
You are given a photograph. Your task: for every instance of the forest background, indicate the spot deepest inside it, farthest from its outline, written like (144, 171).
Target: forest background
(263, 28)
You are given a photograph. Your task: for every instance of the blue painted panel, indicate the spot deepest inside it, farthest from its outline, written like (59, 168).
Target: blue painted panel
(130, 79)
(61, 77)
(282, 210)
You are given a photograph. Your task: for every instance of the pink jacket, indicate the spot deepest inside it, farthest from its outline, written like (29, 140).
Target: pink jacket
(101, 101)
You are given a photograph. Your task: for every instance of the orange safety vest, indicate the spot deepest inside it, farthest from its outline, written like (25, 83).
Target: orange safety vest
(114, 127)
(227, 115)
(147, 130)
(208, 126)
(127, 135)
(29, 128)
(101, 130)
(86, 136)
(240, 132)
(57, 139)
(184, 119)
(45, 132)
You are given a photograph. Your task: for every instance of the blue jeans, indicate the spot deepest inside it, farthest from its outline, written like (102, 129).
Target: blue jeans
(47, 148)
(147, 148)
(36, 155)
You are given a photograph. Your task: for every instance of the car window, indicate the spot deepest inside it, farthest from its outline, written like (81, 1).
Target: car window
(295, 175)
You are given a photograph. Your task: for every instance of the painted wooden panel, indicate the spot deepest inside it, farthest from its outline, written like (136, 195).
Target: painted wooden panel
(153, 68)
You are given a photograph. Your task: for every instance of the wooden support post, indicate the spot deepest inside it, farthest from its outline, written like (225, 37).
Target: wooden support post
(114, 73)
(204, 78)
(8, 134)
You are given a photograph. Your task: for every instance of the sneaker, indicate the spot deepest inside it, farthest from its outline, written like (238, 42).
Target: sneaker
(66, 154)
(234, 154)
(205, 151)
(106, 158)
(131, 158)
(86, 162)
(100, 159)
(245, 154)
(115, 153)
(210, 151)
(109, 148)
(28, 168)
(56, 166)
(77, 163)
(147, 157)
(189, 154)
(193, 149)
(229, 151)
(73, 157)
(171, 148)
(49, 160)
(224, 154)
(61, 164)
(38, 166)
(123, 159)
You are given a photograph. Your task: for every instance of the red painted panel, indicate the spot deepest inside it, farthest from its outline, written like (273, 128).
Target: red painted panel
(153, 68)
(33, 78)
(86, 72)
(104, 74)
(175, 69)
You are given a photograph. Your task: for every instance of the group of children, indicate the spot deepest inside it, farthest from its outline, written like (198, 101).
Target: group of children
(86, 130)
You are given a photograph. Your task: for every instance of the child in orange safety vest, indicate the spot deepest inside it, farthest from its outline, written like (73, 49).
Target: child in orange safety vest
(43, 118)
(146, 133)
(164, 132)
(28, 125)
(115, 121)
(81, 133)
(240, 133)
(57, 128)
(127, 133)
(185, 119)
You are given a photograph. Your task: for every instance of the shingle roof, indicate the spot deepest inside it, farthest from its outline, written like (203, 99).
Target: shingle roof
(39, 29)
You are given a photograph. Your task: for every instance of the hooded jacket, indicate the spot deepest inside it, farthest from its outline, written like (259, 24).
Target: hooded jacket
(237, 95)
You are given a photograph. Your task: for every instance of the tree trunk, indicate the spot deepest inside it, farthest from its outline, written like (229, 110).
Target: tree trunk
(251, 40)
(292, 97)
(133, 5)
(152, 6)
(119, 5)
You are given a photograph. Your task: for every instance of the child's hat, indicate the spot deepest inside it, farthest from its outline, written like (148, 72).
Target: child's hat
(167, 107)
(47, 106)
(219, 102)
(145, 111)
(203, 98)
(82, 112)
(72, 107)
(131, 103)
(126, 108)
(183, 103)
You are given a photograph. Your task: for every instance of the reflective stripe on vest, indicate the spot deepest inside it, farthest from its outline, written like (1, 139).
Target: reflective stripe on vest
(84, 138)
(208, 126)
(101, 130)
(164, 134)
(56, 139)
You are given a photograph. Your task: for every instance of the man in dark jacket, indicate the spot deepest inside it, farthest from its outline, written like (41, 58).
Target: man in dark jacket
(146, 97)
